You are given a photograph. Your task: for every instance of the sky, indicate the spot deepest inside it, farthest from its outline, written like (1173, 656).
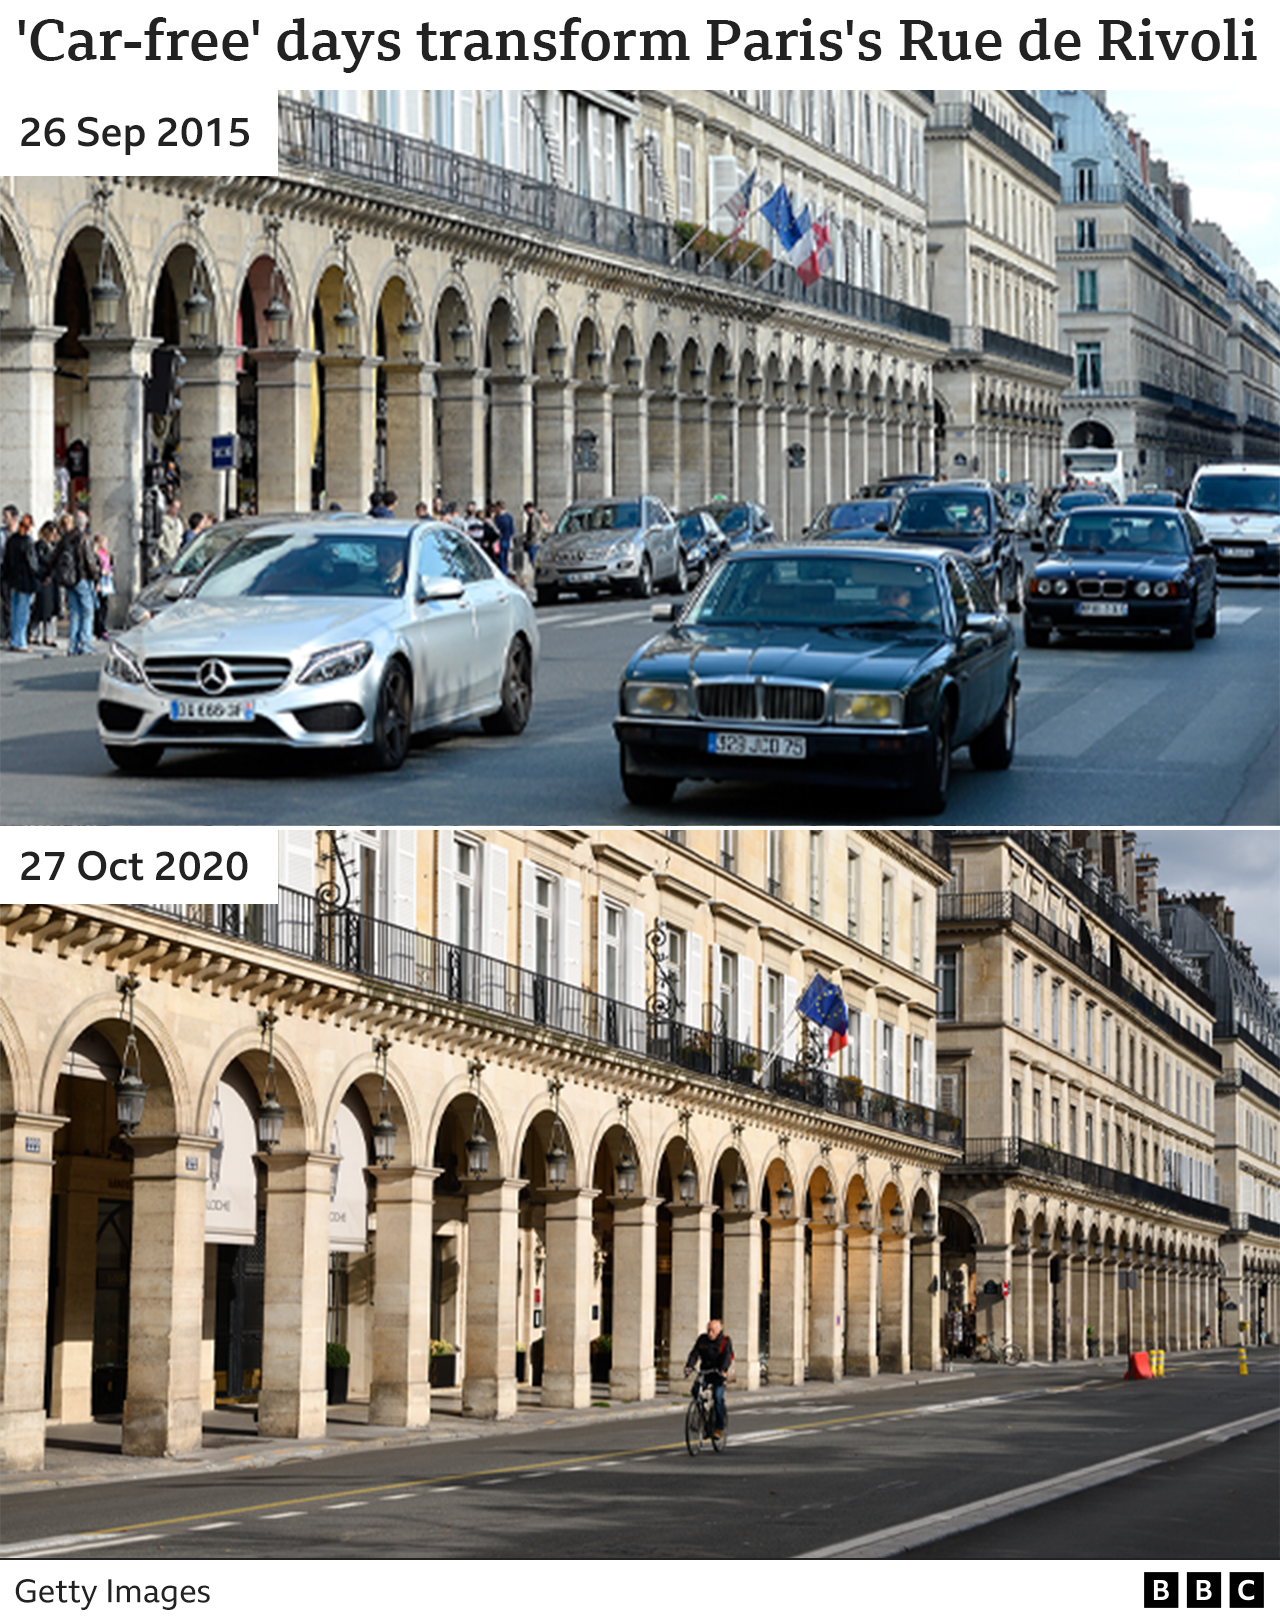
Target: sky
(1224, 141)
(1243, 866)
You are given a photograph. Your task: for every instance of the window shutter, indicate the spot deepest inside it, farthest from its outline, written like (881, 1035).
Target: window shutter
(722, 181)
(297, 871)
(571, 949)
(790, 1017)
(866, 1059)
(465, 134)
(528, 875)
(635, 957)
(930, 1088)
(694, 982)
(746, 978)
(494, 922)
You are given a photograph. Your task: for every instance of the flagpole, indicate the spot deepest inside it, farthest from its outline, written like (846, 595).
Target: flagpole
(692, 242)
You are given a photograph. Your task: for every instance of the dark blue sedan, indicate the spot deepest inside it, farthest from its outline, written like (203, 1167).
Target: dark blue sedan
(832, 665)
(852, 520)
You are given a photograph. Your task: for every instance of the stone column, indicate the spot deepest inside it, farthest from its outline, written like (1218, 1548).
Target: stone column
(26, 1176)
(400, 1393)
(775, 466)
(511, 440)
(996, 1314)
(1022, 1300)
(895, 1302)
(630, 440)
(1073, 1305)
(27, 367)
(786, 1300)
(725, 477)
(1042, 1311)
(926, 1294)
(208, 411)
(349, 427)
(664, 447)
(1109, 1324)
(862, 1305)
(1093, 1303)
(208, 1330)
(859, 454)
(827, 1299)
(593, 415)
(553, 444)
(742, 1293)
(690, 1276)
(162, 1411)
(635, 1275)
(79, 1185)
(410, 450)
(118, 438)
(295, 1295)
(284, 429)
(820, 483)
(566, 1368)
(460, 434)
(751, 478)
(489, 1337)
(695, 451)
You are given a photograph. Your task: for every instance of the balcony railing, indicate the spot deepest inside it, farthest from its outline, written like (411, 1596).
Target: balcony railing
(352, 149)
(962, 115)
(1010, 1155)
(354, 942)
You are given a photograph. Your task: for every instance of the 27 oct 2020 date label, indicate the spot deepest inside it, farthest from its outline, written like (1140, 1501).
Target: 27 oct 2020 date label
(159, 130)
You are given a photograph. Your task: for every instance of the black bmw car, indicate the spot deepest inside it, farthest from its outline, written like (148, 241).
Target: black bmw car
(833, 665)
(1124, 568)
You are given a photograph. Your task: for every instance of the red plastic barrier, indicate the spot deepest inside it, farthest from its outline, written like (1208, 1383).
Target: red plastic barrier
(1139, 1365)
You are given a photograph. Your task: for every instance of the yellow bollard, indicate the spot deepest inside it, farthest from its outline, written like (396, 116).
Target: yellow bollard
(1244, 1364)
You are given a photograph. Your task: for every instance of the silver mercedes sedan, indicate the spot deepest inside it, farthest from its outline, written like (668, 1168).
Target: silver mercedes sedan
(325, 634)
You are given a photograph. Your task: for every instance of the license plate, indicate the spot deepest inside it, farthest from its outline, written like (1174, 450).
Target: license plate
(1102, 610)
(755, 745)
(217, 709)
(579, 579)
(1243, 552)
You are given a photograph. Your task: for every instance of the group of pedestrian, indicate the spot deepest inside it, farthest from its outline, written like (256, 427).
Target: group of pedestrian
(59, 566)
(492, 527)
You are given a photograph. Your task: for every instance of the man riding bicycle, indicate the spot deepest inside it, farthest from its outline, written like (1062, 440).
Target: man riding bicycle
(712, 1356)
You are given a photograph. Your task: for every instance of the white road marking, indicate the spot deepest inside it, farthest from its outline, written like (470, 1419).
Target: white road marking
(216, 1524)
(1084, 723)
(334, 1507)
(55, 1546)
(404, 1496)
(1236, 615)
(293, 1513)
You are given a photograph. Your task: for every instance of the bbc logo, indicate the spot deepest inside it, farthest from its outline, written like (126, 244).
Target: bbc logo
(1160, 1589)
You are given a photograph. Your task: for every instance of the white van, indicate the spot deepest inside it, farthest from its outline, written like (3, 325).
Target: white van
(1237, 505)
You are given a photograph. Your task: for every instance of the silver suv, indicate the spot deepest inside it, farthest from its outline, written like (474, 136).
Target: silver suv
(627, 546)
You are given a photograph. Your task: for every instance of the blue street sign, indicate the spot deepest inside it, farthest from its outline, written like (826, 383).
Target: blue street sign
(224, 451)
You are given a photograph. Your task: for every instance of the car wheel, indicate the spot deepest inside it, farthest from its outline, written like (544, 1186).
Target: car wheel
(992, 749)
(935, 782)
(134, 761)
(547, 595)
(652, 792)
(517, 693)
(392, 720)
(680, 584)
(1209, 628)
(643, 587)
(1184, 636)
(1035, 635)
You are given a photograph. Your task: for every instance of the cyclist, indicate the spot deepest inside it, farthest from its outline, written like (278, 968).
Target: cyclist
(712, 1355)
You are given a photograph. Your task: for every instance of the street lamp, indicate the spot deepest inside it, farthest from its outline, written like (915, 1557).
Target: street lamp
(633, 365)
(687, 1180)
(555, 359)
(557, 1154)
(131, 1091)
(104, 295)
(460, 337)
(477, 1144)
(739, 1191)
(625, 1171)
(595, 363)
(276, 314)
(898, 1218)
(384, 1132)
(512, 344)
(7, 279)
(409, 329)
(197, 307)
(929, 1221)
(270, 1119)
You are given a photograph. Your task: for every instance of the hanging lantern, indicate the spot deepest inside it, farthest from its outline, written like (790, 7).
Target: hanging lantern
(688, 1183)
(105, 298)
(512, 345)
(739, 1191)
(864, 1213)
(276, 315)
(346, 321)
(557, 1165)
(270, 1117)
(625, 1174)
(409, 331)
(829, 1202)
(477, 1151)
(130, 1089)
(384, 1132)
(633, 365)
(197, 309)
(898, 1219)
(786, 1199)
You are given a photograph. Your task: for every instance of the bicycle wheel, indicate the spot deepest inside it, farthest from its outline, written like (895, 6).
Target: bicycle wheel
(693, 1423)
(1012, 1354)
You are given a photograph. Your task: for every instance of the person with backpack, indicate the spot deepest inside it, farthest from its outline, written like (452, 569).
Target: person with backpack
(22, 576)
(44, 610)
(712, 1355)
(77, 569)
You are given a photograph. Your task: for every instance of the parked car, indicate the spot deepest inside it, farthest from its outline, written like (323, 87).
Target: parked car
(896, 485)
(624, 545)
(1237, 506)
(851, 520)
(743, 523)
(967, 517)
(835, 665)
(702, 540)
(1024, 508)
(325, 634)
(1124, 568)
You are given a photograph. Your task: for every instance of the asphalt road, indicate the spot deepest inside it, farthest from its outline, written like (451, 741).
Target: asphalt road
(823, 1472)
(1121, 732)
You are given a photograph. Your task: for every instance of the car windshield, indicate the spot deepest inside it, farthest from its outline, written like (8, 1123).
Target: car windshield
(854, 515)
(935, 512)
(817, 592)
(308, 564)
(734, 519)
(605, 515)
(1129, 531)
(1237, 492)
(1081, 497)
(1152, 497)
(692, 526)
(196, 557)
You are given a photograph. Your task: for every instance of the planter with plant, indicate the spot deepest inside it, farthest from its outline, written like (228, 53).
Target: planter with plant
(442, 1368)
(337, 1373)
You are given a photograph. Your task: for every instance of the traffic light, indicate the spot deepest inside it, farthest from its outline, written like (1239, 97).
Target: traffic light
(164, 385)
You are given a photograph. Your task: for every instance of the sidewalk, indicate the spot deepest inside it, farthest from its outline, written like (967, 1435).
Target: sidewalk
(89, 1453)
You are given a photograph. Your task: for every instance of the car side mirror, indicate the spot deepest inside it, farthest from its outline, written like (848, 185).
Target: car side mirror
(882, 527)
(1037, 544)
(1203, 549)
(664, 612)
(432, 589)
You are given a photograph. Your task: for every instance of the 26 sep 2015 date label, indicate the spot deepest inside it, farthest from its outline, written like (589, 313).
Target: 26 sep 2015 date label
(160, 130)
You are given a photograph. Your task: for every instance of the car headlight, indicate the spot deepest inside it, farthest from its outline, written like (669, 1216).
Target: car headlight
(656, 697)
(335, 662)
(867, 708)
(121, 665)
(1061, 586)
(623, 548)
(1142, 588)
(1164, 589)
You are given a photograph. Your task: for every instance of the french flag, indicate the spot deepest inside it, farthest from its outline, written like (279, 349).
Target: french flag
(812, 256)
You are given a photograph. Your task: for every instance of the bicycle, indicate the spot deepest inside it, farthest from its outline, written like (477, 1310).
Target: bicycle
(700, 1419)
(999, 1350)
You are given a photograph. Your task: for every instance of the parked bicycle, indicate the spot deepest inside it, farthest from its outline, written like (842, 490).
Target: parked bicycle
(998, 1350)
(700, 1419)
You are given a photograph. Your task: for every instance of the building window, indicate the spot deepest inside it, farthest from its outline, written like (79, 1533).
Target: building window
(886, 1058)
(1088, 1137)
(1106, 1043)
(1104, 1132)
(774, 1017)
(815, 874)
(466, 873)
(1015, 1116)
(947, 979)
(773, 863)
(1073, 1138)
(886, 914)
(544, 925)
(1016, 988)
(853, 893)
(1086, 233)
(1086, 289)
(613, 923)
(1089, 368)
(1088, 1033)
(1073, 1023)
(1037, 1115)
(684, 181)
(727, 993)
(1037, 987)
(1055, 1122)
(917, 1069)
(917, 932)
(1086, 189)
(676, 967)
(728, 849)
(1055, 1012)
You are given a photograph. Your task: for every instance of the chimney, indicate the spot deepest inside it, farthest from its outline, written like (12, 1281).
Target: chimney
(1180, 202)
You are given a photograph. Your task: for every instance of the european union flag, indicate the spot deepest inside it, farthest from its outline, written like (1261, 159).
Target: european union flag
(823, 1004)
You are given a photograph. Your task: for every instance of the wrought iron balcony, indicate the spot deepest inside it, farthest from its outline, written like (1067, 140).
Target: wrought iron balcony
(351, 941)
(1011, 1155)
